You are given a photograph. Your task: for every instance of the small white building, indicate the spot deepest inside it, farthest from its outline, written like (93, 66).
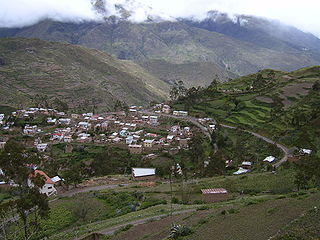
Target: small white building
(269, 159)
(2, 145)
(166, 109)
(64, 121)
(42, 147)
(241, 171)
(84, 125)
(129, 140)
(143, 173)
(51, 120)
(305, 151)
(31, 130)
(153, 120)
(180, 113)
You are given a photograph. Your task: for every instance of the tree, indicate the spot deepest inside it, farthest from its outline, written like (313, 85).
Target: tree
(30, 203)
(214, 84)
(259, 82)
(60, 105)
(197, 151)
(271, 75)
(121, 106)
(217, 164)
(181, 88)
(174, 93)
(316, 86)
(277, 106)
(73, 175)
(308, 171)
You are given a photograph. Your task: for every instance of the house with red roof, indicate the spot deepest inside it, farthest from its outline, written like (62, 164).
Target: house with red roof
(48, 187)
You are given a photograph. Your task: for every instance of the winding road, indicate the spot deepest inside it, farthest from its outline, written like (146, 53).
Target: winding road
(206, 132)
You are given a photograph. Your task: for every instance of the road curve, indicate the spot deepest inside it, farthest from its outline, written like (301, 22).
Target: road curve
(205, 131)
(111, 230)
(284, 149)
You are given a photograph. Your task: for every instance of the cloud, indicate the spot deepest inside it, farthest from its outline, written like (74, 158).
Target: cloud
(19, 13)
(302, 14)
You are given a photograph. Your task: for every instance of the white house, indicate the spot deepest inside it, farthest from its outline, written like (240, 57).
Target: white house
(51, 121)
(153, 120)
(269, 159)
(64, 121)
(166, 109)
(305, 151)
(143, 172)
(129, 140)
(42, 147)
(241, 171)
(180, 113)
(2, 145)
(48, 188)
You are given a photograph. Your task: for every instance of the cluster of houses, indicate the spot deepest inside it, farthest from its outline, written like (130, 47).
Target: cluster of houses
(139, 132)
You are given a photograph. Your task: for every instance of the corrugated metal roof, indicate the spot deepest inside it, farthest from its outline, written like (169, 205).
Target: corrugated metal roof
(214, 191)
(141, 172)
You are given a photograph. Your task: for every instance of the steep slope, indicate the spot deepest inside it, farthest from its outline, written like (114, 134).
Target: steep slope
(259, 31)
(193, 74)
(234, 47)
(76, 75)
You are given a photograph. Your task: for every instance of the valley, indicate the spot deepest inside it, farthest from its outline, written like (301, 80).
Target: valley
(119, 121)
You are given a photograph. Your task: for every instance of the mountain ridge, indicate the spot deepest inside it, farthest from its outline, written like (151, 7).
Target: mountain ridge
(79, 76)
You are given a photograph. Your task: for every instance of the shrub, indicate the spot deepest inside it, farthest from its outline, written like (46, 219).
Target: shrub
(123, 229)
(178, 230)
(175, 200)
(205, 207)
(150, 202)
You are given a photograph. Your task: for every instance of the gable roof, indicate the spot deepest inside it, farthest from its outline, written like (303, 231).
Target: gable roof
(47, 179)
(142, 172)
(214, 191)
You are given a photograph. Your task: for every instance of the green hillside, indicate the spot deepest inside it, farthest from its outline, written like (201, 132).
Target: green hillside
(73, 74)
(282, 105)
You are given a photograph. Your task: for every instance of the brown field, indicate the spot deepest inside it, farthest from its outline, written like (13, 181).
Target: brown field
(246, 220)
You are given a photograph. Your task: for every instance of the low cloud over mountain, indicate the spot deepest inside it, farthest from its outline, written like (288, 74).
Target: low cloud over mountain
(20, 13)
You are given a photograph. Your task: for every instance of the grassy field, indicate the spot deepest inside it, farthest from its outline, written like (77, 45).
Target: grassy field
(257, 195)
(257, 217)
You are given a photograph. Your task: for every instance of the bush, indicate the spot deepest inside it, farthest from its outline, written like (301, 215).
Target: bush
(175, 200)
(178, 230)
(205, 207)
(152, 202)
(123, 229)
(198, 202)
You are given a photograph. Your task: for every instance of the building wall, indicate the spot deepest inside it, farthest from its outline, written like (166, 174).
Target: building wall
(135, 150)
(145, 178)
(48, 189)
(215, 197)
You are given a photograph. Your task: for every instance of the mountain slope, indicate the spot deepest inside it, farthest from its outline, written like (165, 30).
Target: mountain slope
(76, 75)
(282, 105)
(259, 31)
(241, 48)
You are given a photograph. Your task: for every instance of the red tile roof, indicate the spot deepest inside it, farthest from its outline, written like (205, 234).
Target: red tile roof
(47, 179)
(214, 191)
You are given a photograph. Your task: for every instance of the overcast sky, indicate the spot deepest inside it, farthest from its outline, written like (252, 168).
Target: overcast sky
(302, 14)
